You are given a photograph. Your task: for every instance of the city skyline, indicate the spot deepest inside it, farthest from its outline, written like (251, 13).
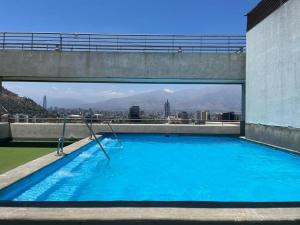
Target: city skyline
(102, 93)
(162, 103)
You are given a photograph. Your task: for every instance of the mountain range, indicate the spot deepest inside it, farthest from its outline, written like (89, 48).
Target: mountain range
(216, 99)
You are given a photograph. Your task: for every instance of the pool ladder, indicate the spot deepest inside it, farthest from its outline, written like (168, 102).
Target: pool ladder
(111, 129)
(92, 134)
(114, 133)
(61, 140)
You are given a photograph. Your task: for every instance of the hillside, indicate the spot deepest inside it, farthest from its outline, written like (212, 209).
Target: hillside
(12, 103)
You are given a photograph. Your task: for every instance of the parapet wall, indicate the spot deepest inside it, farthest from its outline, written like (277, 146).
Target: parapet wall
(285, 137)
(4, 132)
(51, 131)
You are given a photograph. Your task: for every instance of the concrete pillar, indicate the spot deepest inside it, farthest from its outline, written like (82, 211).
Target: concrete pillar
(17, 118)
(26, 119)
(243, 111)
(0, 101)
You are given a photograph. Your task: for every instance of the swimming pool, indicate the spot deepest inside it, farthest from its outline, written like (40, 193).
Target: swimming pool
(154, 167)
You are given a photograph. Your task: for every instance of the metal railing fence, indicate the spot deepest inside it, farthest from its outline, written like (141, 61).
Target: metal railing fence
(119, 121)
(187, 43)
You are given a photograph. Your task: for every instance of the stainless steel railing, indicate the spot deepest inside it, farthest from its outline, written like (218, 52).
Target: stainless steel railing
(119, 121)
(114, 133)
(61, 139)
(96, 139)
(187, 43)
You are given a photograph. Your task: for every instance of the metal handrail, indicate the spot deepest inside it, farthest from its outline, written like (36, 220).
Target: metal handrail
(112, 120)
(188, 43)
(61, 140)
(96, 139)
(114, 133)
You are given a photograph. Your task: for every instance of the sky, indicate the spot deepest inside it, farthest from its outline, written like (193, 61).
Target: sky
(117, 16)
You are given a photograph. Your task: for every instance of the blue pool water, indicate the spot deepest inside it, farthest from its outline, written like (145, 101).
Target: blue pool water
(167, 168)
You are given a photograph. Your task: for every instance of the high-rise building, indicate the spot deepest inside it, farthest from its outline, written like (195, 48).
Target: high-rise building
(167, 109)
(202, 116)
(45, 102)
(228, 116)
(134, 113)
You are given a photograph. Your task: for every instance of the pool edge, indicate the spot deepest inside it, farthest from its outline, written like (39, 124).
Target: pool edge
(272, 146)
(12, 176)
(86, 215)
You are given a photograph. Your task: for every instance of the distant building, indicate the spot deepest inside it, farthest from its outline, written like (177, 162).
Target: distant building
(237, 116)
(45, 102)
(167, 109)
(217, 116)
(173, 120)
(228, 116)
(184, 116)
(202, 115)
(134, 113)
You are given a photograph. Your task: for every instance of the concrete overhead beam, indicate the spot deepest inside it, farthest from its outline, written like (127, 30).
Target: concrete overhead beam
(59, 66)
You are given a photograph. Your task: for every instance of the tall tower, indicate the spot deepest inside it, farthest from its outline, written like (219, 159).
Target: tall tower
(167, 109)
(134, 113)
(45, 102)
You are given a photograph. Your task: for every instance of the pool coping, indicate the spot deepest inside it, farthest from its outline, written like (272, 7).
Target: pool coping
(150, 214)
(273, 146)
(213, 212)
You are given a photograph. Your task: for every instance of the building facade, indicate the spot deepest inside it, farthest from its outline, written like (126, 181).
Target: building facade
(272, 73)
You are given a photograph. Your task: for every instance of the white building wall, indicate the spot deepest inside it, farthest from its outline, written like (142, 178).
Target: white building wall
(273, 69)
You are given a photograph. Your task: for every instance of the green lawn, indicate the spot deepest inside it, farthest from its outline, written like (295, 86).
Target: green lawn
(14, 154)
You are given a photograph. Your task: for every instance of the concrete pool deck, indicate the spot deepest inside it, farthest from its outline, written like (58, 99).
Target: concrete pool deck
(204, 215)
(122, 214)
